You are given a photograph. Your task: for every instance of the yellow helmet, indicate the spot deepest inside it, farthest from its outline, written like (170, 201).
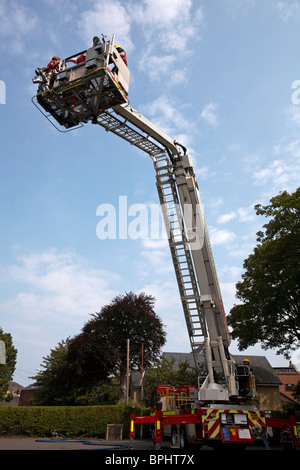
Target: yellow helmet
(247, 361)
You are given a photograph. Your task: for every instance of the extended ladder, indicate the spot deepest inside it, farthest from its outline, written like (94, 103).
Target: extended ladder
(180, 252)
(91, 91)
(173, 218)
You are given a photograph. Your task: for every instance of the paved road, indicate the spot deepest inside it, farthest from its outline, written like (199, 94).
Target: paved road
(68, 444)
(22, 444)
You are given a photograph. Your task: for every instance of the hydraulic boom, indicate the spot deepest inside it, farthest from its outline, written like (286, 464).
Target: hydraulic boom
(91, 91)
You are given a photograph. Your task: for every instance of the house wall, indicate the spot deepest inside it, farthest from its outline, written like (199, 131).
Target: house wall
(269, 398)
(288, 380)
(13, 402)
(25, 397)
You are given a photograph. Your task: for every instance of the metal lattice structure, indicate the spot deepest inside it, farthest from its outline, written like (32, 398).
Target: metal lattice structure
(174, 222)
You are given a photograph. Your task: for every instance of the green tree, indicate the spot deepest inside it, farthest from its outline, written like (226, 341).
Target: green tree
(164, 372)
(127, 317)
(296, 392)
(7, 370)
(73, 374)
(54, 379)
(86, 366)
(270, 289)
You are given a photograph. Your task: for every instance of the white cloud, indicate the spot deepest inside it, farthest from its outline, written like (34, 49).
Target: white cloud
(209, 114)
(287, 9)
(158, 261)
(242, 3)
(56, 284)
(155, 259)
(167, 18)
(169, 308)
(170, 30)
(215, 202)
(159, 21)
(279, 174)
(234, 147)
(169, 117)
(293, 147)
(220, 237)
(242, 250)
(161, 14)
(290, 150)
(203, 172)
(237, 8)
(15, 19)
(243, 214)
(230, 273)
(157, 66)
(17, 22)
(223, 219)
(246, 214)
(166, 294)
(155, 244)
(47, 296)
(293, 113)
(107, 17)
(228, 295)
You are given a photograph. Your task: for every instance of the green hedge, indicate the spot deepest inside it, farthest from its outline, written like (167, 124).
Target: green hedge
(70, 421)
(284, 415)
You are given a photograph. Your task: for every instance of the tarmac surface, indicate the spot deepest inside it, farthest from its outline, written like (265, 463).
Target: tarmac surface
(54, 452)
(40, 443)
(25, 443)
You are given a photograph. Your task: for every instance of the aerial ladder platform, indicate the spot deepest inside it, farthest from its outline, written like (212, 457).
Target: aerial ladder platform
(189, 245)
(96, 90)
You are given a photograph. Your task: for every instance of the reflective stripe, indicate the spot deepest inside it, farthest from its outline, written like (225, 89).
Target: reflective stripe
(211, 421)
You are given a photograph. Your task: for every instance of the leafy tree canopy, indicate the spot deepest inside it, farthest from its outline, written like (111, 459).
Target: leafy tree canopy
(56, 387)
(7, 370)
(92, 358)
(127, 317)
(164, 372)
(270, 289)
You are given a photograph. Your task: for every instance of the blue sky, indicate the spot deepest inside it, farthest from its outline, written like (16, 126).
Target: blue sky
(217, 76)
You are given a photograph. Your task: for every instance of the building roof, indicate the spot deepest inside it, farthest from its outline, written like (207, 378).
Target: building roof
(262, 369)
(289, 377)
(290, 369)
(13, 386)
(181, 357)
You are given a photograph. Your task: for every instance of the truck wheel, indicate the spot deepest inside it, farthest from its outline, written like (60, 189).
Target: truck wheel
(174, 436)
(183, 438)
(152, 434)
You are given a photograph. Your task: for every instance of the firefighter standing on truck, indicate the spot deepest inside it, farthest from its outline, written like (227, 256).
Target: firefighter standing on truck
(122, 54)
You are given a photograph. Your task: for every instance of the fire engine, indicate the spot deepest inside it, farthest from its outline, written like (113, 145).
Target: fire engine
(222, 410)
